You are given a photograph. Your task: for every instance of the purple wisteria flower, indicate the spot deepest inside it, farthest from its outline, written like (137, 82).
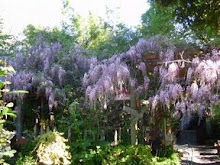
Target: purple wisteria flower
(194, 89)
(142, 67)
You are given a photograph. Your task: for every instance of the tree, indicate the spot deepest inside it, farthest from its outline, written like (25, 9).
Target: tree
(158, 21)
(5, 45)
(32, 35)
(102, 37)
(202, 17)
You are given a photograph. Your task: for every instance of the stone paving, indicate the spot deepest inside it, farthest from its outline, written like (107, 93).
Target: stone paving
(198, 155)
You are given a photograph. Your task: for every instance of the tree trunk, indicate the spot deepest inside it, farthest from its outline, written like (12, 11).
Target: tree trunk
(18, 120)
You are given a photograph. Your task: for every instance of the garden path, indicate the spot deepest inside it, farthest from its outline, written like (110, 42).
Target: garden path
(198, 155)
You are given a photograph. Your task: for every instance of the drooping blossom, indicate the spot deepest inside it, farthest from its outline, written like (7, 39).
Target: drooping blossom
(194, 89)
(142, 67)
(173, 71)
(189, 74)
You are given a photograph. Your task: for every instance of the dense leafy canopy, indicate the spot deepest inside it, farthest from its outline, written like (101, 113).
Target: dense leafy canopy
(5, 45)
(202, 17)
(157, 21)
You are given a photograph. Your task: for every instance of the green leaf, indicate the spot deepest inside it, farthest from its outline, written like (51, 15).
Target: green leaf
(5, 110)
(2, 121)
(2, 73)
(11, 114)
(10, 105)
(1, 84)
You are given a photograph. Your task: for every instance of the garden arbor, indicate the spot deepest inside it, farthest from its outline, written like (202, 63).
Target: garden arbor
(177, 83)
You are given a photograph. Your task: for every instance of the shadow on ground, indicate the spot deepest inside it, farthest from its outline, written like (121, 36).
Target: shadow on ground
(185, 162)
(198, 155)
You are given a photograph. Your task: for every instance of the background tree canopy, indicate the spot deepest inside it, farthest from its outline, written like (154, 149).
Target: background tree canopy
(5, 44)
(202, 17)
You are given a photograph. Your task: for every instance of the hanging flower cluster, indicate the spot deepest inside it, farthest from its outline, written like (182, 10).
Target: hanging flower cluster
(195, 92)
(43, 71)
(114, 78)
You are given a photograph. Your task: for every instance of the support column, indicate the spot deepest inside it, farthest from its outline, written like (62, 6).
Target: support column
(18, 119)
(134, 127)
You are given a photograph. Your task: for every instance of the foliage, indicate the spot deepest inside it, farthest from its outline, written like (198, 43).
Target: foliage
(51, 149)
(140, 154)
(101, 37)
(5, 112)
(120, 40)
(27, 155)
(72, 120)
(215, 121)
(94, 153)
(83, 126)
(54, 35)
(158, 21)
(5, 42)
(87, 151)
(25, 160)
(199, 16)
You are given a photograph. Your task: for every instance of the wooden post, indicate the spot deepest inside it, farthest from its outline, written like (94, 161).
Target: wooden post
(36, 127)
(69, 134)
(35, 130)
(48, 129)
(116, 137)
(133, 125)
(41, 130)
(164, 126)
(85, 134)
(102, 134)
(119, 134)
(18, 119)
(208, 127)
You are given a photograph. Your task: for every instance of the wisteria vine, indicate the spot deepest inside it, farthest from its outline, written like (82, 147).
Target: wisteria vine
(193, 92)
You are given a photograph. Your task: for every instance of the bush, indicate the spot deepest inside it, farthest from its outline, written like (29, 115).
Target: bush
(215, 122)
(51, 149)
(88, 151)
(25, 160)
(5, 112)
(140, 154)
(91, 153)
(27, 156)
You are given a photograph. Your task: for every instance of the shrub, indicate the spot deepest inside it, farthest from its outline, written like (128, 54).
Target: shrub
(140, 154)
(25, 160)
(51, 149)
(5, 112)
(91, 153)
